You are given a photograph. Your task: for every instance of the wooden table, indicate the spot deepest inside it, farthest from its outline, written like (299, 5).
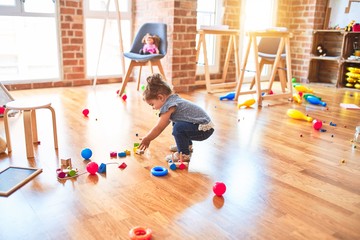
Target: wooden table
(232, 48)
(284, 43)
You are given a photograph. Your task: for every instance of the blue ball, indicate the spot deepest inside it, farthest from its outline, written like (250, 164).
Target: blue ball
(86, 153)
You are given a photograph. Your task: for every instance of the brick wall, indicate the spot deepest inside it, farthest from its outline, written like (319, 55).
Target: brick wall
(300, 16)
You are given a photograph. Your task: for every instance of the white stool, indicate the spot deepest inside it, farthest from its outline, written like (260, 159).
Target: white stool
(30, 128)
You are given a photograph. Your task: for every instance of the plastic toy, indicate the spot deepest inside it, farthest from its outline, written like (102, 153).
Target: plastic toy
(179, 165)
(296, 114)
(151, 44)
(350, 26)
(102, 168)
(159, 171)
(317, 124)
(172, 165)
(315, 101)
(140, 233)
(297, 98)
(122, 154)
(306, 95)
(332, 124)
(229, 96)
(301, 88)
(92, 168)
(64, 174)
(113, 154)
(85, 112)
(124, 97)
(86, 153)
(123, 165)
(247, 103)
(219, 188)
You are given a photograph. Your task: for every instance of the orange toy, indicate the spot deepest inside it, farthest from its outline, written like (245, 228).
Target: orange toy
(140, 233)
(296, 114)
(247, 103)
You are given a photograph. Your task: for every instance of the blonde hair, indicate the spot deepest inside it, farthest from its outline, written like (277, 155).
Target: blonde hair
(155, 86)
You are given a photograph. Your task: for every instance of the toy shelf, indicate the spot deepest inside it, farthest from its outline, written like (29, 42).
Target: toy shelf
(332, 67)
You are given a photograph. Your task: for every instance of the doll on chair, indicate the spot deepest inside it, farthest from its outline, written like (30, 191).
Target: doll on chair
(151, 44)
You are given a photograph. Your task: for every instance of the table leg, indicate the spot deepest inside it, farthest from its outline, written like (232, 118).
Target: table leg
(54, 126)
(28, 134)
(34, 127)
(288, 65)
(276, 62)
(257, 70)
(7, 130)
(206, 63)
(242, 71)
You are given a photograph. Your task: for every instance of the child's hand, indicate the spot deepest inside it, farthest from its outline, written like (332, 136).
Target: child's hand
(144, 143)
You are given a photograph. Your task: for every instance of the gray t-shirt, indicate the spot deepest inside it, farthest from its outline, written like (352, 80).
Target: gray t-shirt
(186, 111)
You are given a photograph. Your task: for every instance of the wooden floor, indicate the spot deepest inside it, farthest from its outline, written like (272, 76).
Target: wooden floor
(284, 179)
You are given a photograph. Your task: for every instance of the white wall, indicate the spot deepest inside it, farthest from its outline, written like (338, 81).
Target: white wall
(338, 15)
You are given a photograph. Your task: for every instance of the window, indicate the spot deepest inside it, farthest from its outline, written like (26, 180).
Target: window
(28, 41)
(209, 13)
(109, 61)
(255, 18)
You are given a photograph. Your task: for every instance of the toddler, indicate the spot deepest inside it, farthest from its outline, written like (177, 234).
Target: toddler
(190, 122)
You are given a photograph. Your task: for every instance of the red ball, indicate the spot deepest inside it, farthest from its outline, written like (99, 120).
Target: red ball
(317, 124)
(85, 112)
(219, 188)
(92, 168)
(2, 110)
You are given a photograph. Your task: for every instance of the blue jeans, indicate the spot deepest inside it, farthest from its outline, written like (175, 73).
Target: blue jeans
(185, 132)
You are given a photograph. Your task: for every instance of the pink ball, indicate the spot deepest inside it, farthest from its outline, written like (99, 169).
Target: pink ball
(317, 124)
(92, 168)
(219, 188)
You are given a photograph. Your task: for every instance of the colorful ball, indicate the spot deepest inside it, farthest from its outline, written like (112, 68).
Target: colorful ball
(92, 167)
(72, 173)
(61, 174)
(86, 153)
(219, 188)
(317, 124)
(85, 112)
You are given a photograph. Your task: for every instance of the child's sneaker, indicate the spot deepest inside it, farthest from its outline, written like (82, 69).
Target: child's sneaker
(176, 157)
(173, 148)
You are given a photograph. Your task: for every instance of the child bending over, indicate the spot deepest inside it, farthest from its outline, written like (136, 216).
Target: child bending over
(190, 122)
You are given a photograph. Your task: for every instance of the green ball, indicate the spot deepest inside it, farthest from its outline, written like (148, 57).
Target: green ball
(72, 173)
(293, 80)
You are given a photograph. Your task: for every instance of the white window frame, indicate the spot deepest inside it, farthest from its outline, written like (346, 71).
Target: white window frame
(125, 14)
(18, 11)
(214, 65)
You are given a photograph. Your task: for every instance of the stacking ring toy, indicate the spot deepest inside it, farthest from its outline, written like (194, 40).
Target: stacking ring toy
(140, 233)
(159, 171)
